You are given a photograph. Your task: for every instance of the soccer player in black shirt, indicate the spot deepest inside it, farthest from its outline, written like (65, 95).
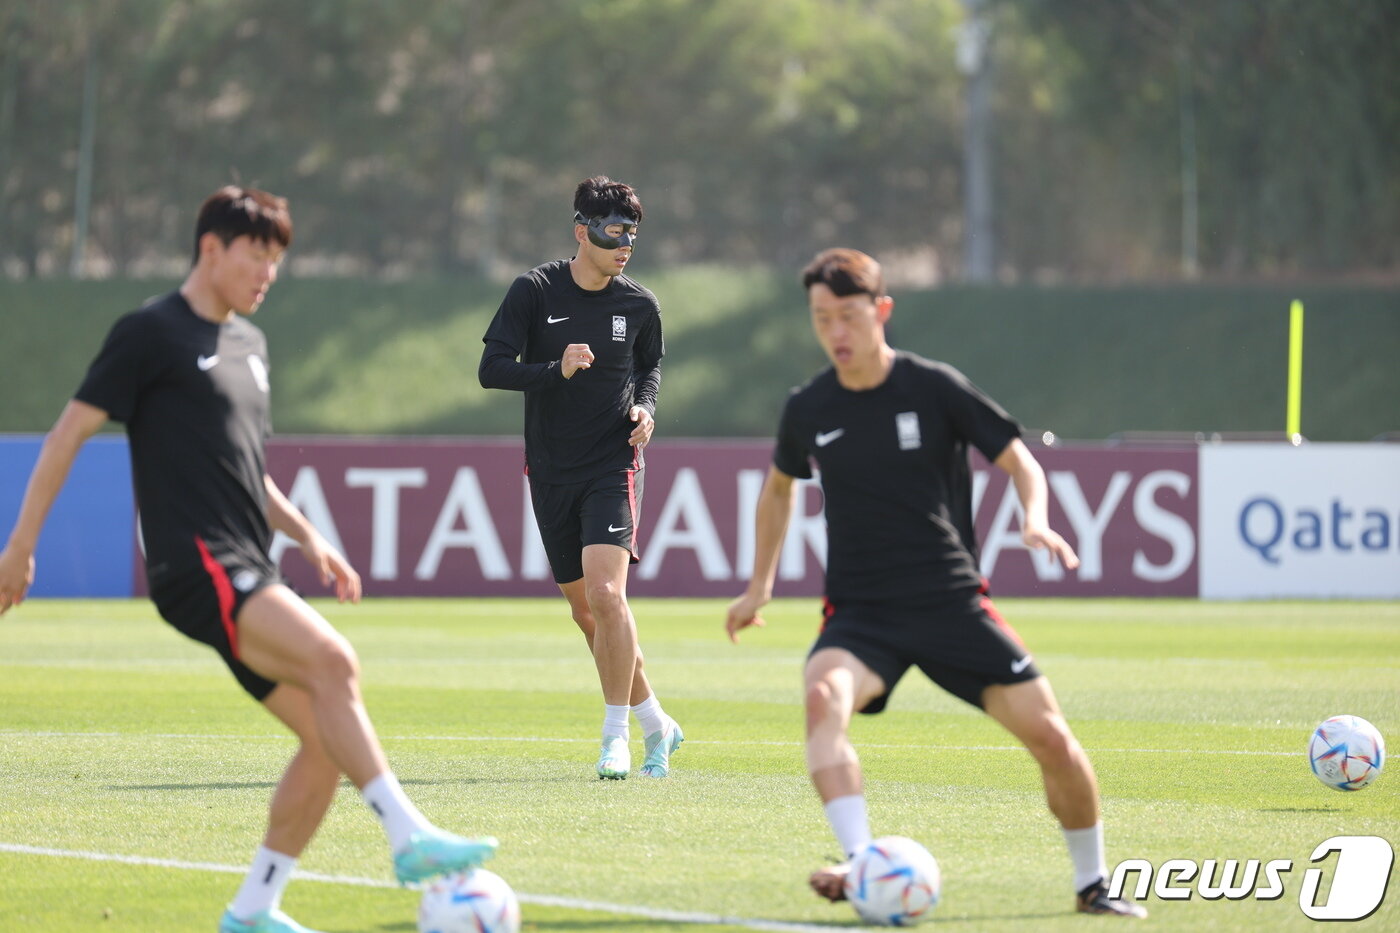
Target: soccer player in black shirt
(583, 342)
(889, 433)
(188, 375)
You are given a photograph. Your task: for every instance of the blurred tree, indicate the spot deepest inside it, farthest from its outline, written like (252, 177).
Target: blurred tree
(447, 135)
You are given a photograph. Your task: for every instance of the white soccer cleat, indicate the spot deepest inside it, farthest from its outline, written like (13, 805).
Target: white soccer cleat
(615, 759)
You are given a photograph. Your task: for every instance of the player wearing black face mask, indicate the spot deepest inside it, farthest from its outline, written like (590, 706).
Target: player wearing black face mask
(583, 341)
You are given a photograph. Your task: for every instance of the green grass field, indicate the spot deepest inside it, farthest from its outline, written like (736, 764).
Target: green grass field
(135, 773)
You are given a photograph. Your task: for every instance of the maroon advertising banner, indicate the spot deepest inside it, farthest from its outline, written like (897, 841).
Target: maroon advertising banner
(1130, 515)
(451, 517)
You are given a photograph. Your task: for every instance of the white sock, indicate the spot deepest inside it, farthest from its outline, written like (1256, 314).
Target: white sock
(615, 721)
(263, 885)
(400, 817)
(650, 716)
(1086, 851)
(848, 820)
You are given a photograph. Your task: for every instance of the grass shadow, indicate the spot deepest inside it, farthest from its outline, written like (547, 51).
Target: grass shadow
(1300, 809)
(214, 785)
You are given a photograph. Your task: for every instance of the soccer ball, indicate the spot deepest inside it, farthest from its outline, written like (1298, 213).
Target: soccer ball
(473, 902)
(893, 882)
(1346, 752)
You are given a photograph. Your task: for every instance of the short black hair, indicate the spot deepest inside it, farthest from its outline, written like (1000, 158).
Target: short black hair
(600, 196)
(845, 272)
(234, 211)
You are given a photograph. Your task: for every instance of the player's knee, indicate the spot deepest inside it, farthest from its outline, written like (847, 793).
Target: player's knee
(336, 662)
(1054, 746)
(823, 704)
(604, 599)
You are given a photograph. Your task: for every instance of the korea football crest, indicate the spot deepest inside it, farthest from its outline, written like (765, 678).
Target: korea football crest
(906, 425)
(619, 327)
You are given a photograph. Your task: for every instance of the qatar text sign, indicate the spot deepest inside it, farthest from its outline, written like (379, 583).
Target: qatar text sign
(437, 518)
(1311, 521)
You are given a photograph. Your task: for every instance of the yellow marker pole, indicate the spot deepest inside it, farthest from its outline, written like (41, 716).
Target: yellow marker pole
(1295, 371)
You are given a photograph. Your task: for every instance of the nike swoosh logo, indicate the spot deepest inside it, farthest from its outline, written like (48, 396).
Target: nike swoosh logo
(829, 436)
(207, 363)
(1019, 666)
(554, 320)
(615, 530)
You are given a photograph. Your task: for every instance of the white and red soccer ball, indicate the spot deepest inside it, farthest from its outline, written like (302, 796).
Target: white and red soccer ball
(477, 901)
(1346, 752)
(894, 882)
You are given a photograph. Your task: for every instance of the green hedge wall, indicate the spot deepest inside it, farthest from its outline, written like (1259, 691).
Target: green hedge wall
(400, 357)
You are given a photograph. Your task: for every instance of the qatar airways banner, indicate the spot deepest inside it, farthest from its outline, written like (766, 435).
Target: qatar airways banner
(1319, 520)
(452, 518)
(423, 517)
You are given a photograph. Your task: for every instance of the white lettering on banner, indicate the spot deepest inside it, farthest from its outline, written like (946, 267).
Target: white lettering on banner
(1168, 526)
(384, 527)
(1088, 524)
(1006, 533)
(686, 503)
(534, 563)
(308, 496)
(750, 484)
(805, 531)
(465, 500)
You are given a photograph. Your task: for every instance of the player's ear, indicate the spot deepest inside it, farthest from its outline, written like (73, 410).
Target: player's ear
(580, 232)
(883, 307)
(209, 244)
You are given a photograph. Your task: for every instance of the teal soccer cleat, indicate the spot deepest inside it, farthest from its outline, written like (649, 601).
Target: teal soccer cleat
(267, 921)
(614, 760)
(432, 852)
(661, 746)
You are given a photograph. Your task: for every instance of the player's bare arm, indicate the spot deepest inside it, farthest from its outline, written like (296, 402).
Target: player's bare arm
(576, 356)
(1025, 472)
(330, 564)
(646, 424)
(78, 422)
(771, 517)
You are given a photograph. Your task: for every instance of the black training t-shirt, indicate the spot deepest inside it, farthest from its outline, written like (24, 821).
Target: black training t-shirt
(895, 476)
(576, 429)
(194, 397)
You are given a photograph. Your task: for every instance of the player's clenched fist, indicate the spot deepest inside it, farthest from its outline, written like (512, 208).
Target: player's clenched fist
(576, 356)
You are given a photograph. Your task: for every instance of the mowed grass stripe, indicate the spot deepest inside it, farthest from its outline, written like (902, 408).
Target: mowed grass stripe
(674, 916)
(562, 740)
(1195, 714)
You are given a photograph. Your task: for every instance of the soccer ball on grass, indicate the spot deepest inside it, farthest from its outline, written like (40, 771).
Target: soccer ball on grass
(477, 901)
(1346, 752)
(893, 882)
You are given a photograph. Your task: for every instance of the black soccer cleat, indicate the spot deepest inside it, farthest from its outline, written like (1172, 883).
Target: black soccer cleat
(1095, 900)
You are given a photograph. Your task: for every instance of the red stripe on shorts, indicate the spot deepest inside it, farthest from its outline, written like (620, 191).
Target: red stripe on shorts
(223, 589)
(1005, 626)
(828, 610)
(632, 505)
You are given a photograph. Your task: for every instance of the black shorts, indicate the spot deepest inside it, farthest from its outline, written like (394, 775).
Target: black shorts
(963, 646)
(572, 516)
(204, 603)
